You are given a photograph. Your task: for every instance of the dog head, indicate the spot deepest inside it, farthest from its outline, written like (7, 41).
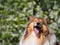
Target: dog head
(37, 25)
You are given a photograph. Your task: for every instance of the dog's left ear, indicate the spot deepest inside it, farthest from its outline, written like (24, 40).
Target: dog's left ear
(47, 21)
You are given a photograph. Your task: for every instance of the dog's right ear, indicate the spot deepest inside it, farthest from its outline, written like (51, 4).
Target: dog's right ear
(31, 18)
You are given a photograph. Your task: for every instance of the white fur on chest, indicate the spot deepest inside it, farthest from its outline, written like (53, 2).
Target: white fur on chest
(32, 40)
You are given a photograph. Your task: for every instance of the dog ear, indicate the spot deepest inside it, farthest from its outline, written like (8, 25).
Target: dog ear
(47, 21)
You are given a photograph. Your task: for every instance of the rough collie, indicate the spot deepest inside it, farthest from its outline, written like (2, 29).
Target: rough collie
(38, 33)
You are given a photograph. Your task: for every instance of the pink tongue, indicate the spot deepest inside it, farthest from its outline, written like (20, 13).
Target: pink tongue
(36, 30)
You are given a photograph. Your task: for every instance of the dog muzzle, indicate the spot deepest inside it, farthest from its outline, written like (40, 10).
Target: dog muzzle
(38, 28)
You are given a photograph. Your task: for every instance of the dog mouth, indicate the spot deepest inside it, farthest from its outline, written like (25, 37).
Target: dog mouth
(38, 28)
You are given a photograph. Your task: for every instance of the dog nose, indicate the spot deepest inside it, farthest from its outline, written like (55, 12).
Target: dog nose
(37, 23)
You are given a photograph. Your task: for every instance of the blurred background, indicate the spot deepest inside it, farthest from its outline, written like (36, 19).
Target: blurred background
(14, 16)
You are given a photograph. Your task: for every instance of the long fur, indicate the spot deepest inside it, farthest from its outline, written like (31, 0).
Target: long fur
(30, 38)
(33, 40)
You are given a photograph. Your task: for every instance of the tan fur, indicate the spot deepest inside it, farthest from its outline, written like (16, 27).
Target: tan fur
(43, 37)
